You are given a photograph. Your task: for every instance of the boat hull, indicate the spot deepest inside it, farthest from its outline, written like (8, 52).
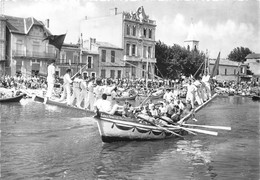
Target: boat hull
(112, 128)
(12, 99)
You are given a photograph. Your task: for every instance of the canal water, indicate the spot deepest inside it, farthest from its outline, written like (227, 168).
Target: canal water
(47, 142)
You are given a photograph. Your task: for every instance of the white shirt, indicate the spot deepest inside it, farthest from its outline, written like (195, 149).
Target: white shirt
(103, 105)
(205, 78)
(51, 72)
(66, 79)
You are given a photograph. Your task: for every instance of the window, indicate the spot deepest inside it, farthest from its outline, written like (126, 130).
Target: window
(119, 74)
(62, 57)
(225, 71)
(235, 71)
(127, 30)
(112, 74)
(75, 59)
(93, 74)
(103, 73)
(242, 70)
(144, 52)
(150, 33)
(144, 32)
(188, 47)
(90, 62)
(134, 30)
(133, 50)
(113, 56)
(19, 47)
(128, 49)
(85, 75)
(103, 56)
(36, 48)
(143, 72)
(149, 52)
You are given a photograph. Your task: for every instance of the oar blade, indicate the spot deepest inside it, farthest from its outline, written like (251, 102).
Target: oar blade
(213, 133)
(211, 127)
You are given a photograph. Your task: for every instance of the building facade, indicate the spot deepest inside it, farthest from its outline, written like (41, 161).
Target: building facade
(132, 32)
(253, 61)
(2, 45)
(230, 70)
(26, 51)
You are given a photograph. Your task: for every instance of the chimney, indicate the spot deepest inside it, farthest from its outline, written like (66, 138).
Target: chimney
(86, 17)
(116, 11)
(47, 23)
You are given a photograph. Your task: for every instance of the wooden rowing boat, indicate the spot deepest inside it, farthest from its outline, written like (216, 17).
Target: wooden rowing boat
(116, 128)
(57, 103)
(12, 99)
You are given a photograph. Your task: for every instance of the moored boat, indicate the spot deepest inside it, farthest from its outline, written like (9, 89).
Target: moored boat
(12, 99)
(255, 98)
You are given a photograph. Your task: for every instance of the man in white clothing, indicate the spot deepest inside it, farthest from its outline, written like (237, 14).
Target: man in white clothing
(50, 79)
(76, 90)
(103, 105)
(205, 80)
(90, 96)
(66, 87)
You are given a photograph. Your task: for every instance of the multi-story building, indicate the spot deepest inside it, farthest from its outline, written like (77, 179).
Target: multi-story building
(26, 51)
(2, 45)
(74, 57)
(230, 70)
(109, 63)
(132, 32)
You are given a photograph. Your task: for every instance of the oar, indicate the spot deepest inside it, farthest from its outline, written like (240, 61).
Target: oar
(168, 121)
(212, 127)
(145, 99)
(78, 71)
(160, 127)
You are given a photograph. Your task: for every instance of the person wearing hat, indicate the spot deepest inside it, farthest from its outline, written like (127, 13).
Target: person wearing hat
(168, 95)
(50, 79)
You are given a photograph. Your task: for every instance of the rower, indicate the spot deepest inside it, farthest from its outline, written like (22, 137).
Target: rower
(103, 105)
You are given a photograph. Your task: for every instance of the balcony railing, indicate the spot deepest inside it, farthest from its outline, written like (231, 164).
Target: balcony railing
(36, 54)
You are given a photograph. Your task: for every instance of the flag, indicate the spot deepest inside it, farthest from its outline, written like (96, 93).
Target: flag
(215, 68)
(56, 40)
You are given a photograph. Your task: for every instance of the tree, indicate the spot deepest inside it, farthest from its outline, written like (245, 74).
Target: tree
(175, 60)
(238, 54)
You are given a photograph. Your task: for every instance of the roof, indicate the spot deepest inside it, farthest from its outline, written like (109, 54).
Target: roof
(106, 45)
(225, 62)
(23, 25)
(253, 56)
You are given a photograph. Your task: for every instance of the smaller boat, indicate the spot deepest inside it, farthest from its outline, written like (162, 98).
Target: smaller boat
(255, 98)
(12, 99)
(123, 98)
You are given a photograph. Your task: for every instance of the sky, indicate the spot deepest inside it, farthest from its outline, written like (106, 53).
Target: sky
(220, 26)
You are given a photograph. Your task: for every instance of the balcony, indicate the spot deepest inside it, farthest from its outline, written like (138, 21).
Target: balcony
(34, 54)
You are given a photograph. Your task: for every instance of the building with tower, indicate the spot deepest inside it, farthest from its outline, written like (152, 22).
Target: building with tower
(192, 42)
(133, 32)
